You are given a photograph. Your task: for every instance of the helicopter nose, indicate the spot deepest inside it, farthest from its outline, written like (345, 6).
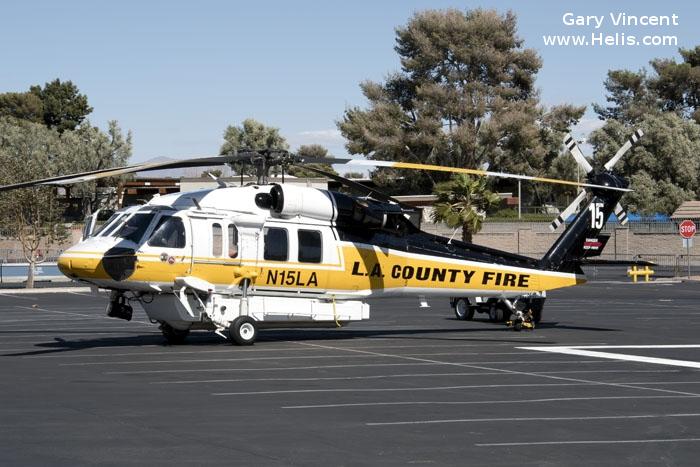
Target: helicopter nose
(119, 262)
(65, 264)
(77, 265)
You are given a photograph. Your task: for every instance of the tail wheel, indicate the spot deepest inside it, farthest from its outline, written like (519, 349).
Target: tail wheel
(463, 310)
(172, 335)
(537, 316)
(243, 330)
(498, 313)
(495, 313)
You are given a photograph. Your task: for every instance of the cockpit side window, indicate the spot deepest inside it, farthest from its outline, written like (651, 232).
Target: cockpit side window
(169, 233)
(135, 227)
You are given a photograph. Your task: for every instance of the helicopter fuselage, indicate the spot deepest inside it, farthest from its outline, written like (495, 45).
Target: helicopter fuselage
(223, 236)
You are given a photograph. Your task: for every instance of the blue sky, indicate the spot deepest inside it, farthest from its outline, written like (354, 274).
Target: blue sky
(177, 73)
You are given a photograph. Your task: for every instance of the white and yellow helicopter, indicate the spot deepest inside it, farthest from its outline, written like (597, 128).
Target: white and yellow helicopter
(238, 258)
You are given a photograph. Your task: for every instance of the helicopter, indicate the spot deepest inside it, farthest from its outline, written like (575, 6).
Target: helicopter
(236, 259)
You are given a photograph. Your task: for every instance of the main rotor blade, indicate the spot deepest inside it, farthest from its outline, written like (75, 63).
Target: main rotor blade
(621, 214)
(359, 187)
(624, 148)
(440, 168)
(570, 209)
(114, 171)
(575, 151)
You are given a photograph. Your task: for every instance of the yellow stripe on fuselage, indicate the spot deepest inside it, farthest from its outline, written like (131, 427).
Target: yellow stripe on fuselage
(364, 268)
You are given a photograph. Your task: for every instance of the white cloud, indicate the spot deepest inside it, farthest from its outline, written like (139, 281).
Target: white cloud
(329, 136)
(586, 126)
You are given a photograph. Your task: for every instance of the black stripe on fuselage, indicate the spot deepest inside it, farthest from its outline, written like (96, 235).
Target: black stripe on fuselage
(416, 241)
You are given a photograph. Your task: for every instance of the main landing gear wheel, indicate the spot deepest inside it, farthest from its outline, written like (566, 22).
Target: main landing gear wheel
(243, 330)
(172, 335)
(463, 310)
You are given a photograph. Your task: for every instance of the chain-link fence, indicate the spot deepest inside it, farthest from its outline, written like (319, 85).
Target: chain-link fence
(16, 255)
(14, 266)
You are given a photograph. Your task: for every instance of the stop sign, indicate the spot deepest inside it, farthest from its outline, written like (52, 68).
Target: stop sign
(687, 229)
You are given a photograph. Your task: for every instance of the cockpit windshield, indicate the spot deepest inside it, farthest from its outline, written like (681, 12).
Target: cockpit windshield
(135, 227)
(106, 228)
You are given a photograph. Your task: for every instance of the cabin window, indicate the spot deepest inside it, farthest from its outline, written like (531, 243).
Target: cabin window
(310, 250)
(276, 244)
(217, 239)
(169, 233)
(135, 227)
(232, 241)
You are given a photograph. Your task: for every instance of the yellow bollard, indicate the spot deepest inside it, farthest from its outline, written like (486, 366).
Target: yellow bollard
(634, 272)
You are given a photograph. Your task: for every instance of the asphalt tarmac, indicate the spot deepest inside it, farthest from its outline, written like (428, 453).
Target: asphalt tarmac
(410, 386)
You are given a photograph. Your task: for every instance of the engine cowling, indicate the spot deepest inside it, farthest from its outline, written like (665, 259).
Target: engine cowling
(290, 201)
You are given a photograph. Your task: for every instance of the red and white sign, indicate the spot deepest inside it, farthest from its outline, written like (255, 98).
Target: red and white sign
(687, 228)
(592, 244)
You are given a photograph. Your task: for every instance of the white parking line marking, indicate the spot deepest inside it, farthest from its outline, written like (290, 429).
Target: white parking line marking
(431, 388)
(329, 378)
(16, 296)
(228, 350)
(507, 401)
(639, 346)
(480, 367)
(48, 327)
(136, 362)
(41, 320)
(205, 360)
(293, 368)
(79, 333)
(533, 419)
(411, 375)
(584, 351)
(72, 313)
(630, 385)
(603, 441)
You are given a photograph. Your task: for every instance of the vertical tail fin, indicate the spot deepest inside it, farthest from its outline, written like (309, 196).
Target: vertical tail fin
(582, 238)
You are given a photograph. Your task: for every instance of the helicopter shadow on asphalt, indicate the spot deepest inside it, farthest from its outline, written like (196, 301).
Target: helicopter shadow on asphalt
(61, 344)
(548, 325)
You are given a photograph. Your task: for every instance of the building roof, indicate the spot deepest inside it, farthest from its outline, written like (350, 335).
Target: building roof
(687, 210)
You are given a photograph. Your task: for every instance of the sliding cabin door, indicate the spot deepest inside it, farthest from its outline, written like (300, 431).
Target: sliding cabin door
(216, 249)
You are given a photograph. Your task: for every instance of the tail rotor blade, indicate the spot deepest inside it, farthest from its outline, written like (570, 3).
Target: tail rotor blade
(570, 209)
(624, 148)
(575, 151)
(621, 214)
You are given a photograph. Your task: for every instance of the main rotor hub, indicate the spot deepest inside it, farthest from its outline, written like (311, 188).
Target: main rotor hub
(263, 159)
(607, 178)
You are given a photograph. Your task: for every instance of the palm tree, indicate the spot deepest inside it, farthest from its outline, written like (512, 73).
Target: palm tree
(463, 202)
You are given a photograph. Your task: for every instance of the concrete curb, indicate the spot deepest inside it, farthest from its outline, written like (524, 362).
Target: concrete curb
(22, 279)
(44, 290)
(629, 282)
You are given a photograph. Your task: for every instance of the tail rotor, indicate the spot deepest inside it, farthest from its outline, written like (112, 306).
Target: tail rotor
(586, 166)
